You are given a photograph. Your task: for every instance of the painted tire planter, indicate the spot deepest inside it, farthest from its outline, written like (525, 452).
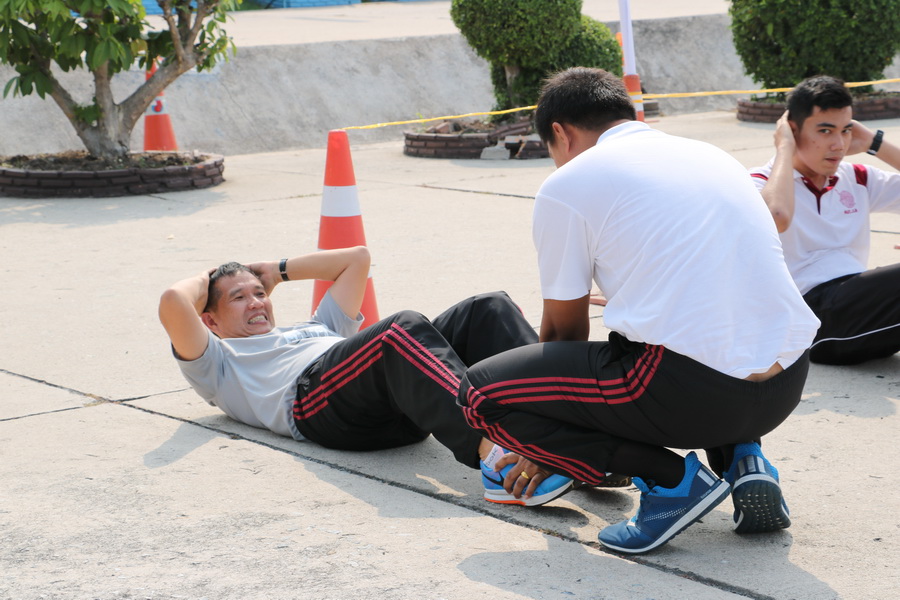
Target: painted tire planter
(465, 145)
(864, 109)
(446, 145)
(131, 181)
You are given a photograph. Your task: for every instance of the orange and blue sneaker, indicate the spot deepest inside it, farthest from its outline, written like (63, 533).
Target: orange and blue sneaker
(549, 489)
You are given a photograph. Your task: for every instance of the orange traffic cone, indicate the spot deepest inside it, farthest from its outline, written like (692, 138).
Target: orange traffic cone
(158, 132)
(621, 47)
(341, 223)
(633, 85)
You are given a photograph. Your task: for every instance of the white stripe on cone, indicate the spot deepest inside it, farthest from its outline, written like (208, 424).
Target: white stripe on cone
(340, 201)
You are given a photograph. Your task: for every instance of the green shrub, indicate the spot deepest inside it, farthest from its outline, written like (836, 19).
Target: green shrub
(516, 32)
(525, 40)
(593, 46)
(782, 42)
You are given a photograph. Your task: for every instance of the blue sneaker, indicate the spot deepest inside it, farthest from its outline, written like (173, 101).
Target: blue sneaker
(664, 513)
(759, 505)
(551, 488)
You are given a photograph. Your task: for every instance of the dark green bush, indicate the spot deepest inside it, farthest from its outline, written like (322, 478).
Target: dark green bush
(782, 42)
(520, 33)
(524, 40)
(593, 46)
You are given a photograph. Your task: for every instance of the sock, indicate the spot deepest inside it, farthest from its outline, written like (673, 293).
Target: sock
(493, 456)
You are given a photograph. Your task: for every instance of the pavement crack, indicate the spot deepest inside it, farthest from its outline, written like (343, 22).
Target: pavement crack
(486, 192)
(94, 397)
(38, 414)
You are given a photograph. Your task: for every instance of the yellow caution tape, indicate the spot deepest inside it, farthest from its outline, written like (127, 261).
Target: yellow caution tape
(719, 93)
(754, 92)
(645, 97)
(447, 118)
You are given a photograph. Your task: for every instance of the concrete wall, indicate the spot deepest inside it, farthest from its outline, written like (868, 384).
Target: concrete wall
(289, 96)
(689, 54)
(276, 97)
(696, 54)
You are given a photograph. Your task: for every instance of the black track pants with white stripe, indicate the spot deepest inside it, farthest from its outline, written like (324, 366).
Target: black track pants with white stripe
(396, 382)
(860, 317)
(569, 405)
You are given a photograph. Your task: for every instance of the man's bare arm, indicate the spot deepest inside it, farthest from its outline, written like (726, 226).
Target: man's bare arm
(181, 305)
(179, 311)
(778, 192)
(888, 152)
(348, 268)
(566, 320)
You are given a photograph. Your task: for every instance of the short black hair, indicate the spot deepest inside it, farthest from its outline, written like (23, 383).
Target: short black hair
(823, 91)
(584, 97)
(229, 269)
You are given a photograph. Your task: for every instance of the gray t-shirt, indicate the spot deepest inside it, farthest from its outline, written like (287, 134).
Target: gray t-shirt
(253, 380)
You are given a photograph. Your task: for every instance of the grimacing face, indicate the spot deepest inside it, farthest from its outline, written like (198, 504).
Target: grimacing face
(822, 142)
(244, 308)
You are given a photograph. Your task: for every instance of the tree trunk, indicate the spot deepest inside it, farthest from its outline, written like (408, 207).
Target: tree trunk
(109, 137)
(107, 142)
(106, 138)
(512, 72)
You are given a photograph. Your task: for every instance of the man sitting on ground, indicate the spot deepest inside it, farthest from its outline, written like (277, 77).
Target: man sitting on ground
(821, 205)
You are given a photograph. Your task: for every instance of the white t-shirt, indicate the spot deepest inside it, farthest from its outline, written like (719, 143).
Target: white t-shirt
(254, 379)
(829, 234)
(682, 246)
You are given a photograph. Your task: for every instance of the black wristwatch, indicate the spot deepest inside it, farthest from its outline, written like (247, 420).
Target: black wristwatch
(282, 268)
(876, 143)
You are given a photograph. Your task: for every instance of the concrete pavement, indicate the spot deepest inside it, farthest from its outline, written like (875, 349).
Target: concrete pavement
(119, 482)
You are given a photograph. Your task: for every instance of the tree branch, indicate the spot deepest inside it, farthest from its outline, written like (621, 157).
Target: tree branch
(202, 13)
(173, 30)
(63, 98)
(136, 104)
(60, 95)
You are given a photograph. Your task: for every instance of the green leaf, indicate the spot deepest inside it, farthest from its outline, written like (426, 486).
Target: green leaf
(87, 114)
(12, 84)
(25, 83)
(20, 33)
(99, 55)
(43, 85)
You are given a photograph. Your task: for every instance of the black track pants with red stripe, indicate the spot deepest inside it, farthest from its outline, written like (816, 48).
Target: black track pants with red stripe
(569, 405)
(860, 317)
(396, 382)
